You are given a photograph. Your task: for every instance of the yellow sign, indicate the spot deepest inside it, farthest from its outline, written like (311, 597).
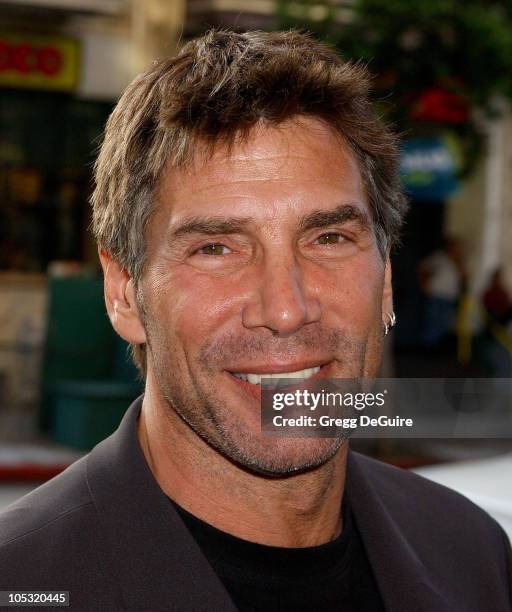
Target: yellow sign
(38, 62)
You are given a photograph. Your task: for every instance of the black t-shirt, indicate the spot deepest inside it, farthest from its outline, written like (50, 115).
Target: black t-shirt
(331, 577)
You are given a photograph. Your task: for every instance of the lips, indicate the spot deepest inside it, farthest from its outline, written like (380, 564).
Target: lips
(252, 377)
(320, 370)
(255, 379)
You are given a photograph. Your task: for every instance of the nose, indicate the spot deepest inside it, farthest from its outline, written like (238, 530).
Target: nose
(281, 301)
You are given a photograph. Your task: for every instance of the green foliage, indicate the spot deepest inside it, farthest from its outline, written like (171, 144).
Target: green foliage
(427, 41)
(421, 41)
(461, 46)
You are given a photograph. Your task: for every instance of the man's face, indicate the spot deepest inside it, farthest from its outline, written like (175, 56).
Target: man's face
(262, 260)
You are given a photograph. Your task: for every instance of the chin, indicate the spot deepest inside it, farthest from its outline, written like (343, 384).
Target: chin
(279, 457)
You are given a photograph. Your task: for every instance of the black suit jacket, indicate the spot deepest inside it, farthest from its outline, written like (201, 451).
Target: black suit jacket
(106, 532)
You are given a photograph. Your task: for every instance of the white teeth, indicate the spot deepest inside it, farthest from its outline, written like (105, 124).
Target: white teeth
(255, 379)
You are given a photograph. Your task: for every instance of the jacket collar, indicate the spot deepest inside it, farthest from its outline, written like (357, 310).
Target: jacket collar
(403, 580)
(144, 542)
(159, 566)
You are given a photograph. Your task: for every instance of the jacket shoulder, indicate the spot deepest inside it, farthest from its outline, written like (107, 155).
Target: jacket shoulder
(414, 493)
(436, 518)
(49, 539)
(457, 545)
(64, 494)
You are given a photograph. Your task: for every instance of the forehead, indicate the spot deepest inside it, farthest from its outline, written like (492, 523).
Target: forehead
(298, 166)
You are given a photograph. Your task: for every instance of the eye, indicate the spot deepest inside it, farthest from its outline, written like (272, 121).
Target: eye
(330, 238)
(214, 249)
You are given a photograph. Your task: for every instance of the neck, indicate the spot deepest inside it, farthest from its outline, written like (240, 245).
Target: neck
(293, 511)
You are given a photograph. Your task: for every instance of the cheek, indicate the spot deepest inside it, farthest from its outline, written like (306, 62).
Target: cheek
(192, 306)
(352, 293)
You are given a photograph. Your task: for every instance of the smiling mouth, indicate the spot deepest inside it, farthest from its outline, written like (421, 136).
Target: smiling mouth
(255, 379)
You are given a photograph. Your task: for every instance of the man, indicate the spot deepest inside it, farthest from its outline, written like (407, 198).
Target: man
(246, 201)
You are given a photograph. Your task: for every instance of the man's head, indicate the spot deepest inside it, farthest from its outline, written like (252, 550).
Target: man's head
(246, 201)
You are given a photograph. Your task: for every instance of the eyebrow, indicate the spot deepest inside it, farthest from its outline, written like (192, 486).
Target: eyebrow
(210, 226)
(340, 214)
(232, 225)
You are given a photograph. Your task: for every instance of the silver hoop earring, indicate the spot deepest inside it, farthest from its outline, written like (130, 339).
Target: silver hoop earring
(392, 322)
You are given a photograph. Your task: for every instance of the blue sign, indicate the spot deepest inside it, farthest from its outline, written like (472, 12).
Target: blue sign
(428, 168)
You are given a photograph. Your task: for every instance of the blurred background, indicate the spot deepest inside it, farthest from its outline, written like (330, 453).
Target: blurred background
(441, 76)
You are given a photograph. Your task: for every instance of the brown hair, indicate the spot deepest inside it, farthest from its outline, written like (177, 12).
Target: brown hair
(217, 88)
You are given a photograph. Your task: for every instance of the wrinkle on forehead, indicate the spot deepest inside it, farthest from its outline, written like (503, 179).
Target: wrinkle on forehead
(265, 154)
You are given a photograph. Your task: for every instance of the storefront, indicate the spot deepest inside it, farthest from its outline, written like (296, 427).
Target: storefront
(48, 137)
(61, 71)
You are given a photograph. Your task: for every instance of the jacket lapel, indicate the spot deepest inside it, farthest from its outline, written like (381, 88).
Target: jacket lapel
(403, 580)
(157, 565)
(145, 546)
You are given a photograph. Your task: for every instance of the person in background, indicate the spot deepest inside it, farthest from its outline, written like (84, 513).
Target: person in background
(494, 348)
(442, 278)
(497, 300)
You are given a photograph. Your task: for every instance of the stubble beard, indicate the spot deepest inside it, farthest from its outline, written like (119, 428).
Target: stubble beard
(191, 395)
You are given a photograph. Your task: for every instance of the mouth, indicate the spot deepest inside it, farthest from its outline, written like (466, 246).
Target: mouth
(253, 379)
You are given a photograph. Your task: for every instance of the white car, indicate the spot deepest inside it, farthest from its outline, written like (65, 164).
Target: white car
(486, 482)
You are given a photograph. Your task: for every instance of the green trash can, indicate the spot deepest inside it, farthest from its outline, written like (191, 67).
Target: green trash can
(86, 412)
(80, 342)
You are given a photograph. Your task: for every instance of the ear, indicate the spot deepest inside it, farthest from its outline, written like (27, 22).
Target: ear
(387, 291)
(120, 300)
